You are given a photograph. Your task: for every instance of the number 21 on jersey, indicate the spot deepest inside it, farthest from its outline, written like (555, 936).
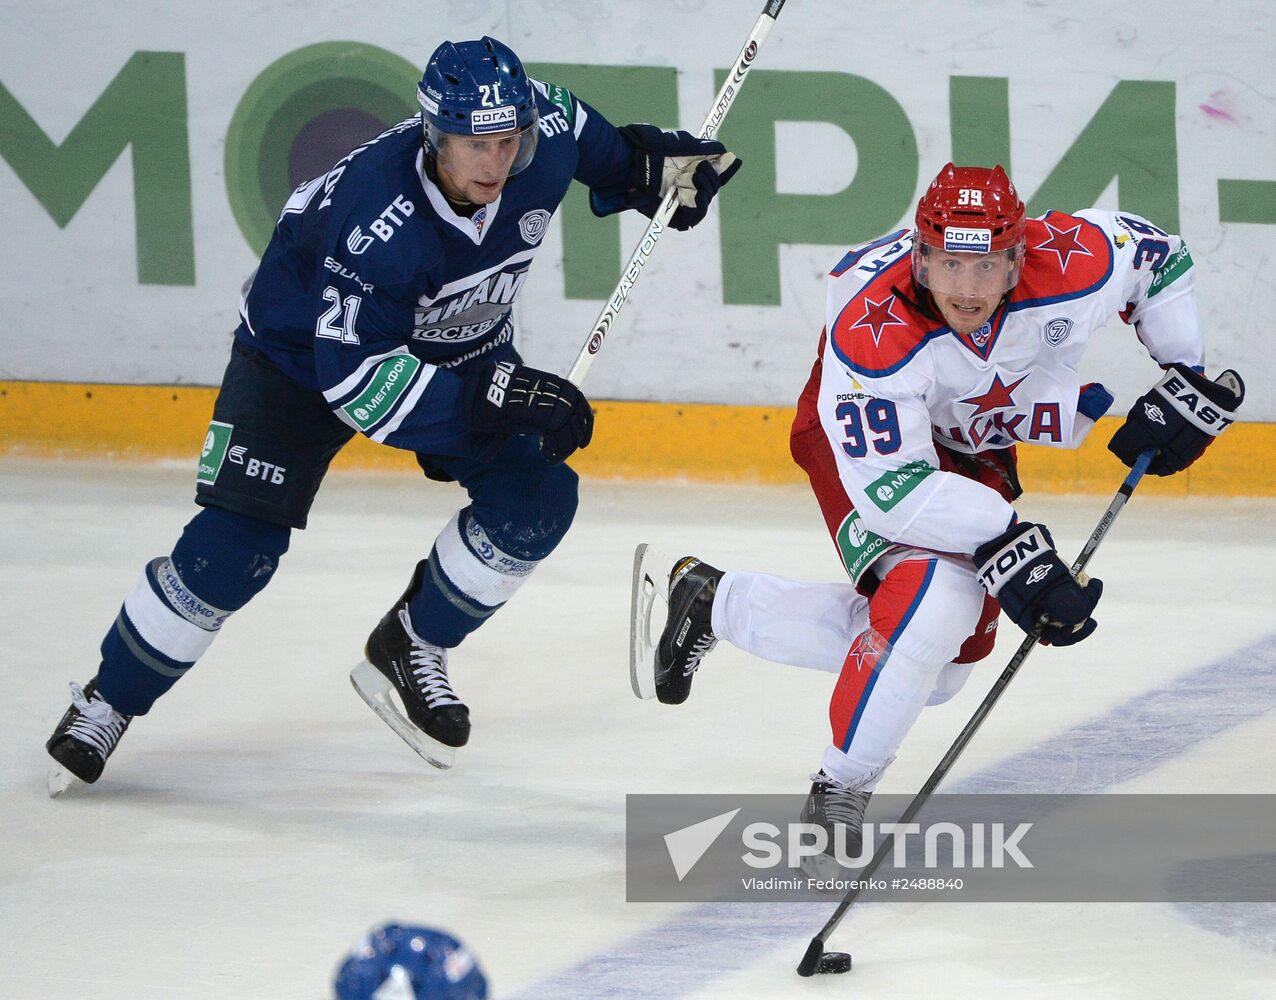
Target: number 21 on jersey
(347, 309)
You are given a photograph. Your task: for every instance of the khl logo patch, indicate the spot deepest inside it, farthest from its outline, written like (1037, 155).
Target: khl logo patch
(532, 226)
(1057, 330)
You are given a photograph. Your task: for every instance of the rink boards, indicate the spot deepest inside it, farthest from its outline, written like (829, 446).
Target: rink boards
(690, 441)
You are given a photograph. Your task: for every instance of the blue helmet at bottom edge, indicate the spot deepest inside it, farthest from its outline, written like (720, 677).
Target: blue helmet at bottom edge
(398, 962)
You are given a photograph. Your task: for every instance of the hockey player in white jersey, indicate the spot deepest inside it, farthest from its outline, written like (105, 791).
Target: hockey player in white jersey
(384, 306)
(944, 347)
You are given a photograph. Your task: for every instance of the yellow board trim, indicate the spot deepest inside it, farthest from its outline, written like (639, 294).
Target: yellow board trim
(693, 441)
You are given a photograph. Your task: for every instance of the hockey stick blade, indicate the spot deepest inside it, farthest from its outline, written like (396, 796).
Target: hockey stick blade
(811, 960)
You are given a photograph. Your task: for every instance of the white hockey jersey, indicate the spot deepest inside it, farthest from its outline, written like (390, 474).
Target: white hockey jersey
(896, 380)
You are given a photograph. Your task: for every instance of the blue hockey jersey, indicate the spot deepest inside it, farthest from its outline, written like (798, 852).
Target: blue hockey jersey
(374, 292)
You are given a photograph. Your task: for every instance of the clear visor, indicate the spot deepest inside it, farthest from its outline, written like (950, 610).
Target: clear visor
(967, 275)
(505, 152)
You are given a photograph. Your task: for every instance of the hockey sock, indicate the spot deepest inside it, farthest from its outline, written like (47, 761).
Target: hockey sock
(179, 603)
(877, 699)
(467, 578)
(789, 621)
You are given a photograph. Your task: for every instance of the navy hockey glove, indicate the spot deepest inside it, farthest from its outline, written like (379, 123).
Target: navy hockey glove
(696, 168)
(1022, 570)
(1178, 417)
(515, 399)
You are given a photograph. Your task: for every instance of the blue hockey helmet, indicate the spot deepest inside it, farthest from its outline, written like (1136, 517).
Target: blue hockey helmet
(478, 88)
(412, 963)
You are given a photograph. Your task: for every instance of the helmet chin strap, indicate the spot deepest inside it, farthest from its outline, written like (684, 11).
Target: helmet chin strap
(921, 300)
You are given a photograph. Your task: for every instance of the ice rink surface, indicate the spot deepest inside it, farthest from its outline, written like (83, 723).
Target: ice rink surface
(261, 817)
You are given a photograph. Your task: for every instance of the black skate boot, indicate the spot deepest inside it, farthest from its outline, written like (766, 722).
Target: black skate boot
(87, 735)
(427, 714)
(688, 634)
(840, 811)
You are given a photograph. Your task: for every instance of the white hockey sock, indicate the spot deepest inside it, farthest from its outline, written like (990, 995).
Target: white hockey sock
(789, 621)
(169, 619)
(475, 566)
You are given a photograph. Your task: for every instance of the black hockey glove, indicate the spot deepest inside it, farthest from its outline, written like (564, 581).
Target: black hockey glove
(697, 168)
(1022, 570)
(515, 399)
(1179, 417)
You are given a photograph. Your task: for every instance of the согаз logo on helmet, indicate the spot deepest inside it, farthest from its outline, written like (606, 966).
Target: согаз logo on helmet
(959, 238)
(493, 120)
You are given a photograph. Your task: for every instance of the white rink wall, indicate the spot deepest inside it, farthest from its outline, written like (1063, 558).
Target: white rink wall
(129, 271)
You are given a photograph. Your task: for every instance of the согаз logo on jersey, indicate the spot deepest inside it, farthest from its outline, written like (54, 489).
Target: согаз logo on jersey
(532, 226)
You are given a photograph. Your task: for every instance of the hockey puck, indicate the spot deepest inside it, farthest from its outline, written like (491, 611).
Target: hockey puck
(834, 962)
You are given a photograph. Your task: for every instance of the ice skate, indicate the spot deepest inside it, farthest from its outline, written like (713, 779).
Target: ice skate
(404, 680)
(86, 736)
(840, 811)
(665, 669)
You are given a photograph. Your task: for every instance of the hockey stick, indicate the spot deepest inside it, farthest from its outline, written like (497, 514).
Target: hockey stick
(638, 260)
(815, 950)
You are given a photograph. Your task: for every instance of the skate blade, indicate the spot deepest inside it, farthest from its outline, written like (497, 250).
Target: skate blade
(60, 779)
(380, 696)
(651, 585)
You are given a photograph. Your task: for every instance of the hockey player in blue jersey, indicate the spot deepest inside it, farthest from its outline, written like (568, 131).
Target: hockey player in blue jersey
(384, 306)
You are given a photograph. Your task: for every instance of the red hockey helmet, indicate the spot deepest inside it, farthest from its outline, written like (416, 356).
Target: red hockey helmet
(969, 210)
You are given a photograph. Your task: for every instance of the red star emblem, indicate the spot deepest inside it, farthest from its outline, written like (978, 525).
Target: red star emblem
(877, 317)
(996, 398)
(866, 647)
(1065, 243)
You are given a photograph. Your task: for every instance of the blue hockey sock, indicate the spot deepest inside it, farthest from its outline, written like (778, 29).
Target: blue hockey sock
(179, 603)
